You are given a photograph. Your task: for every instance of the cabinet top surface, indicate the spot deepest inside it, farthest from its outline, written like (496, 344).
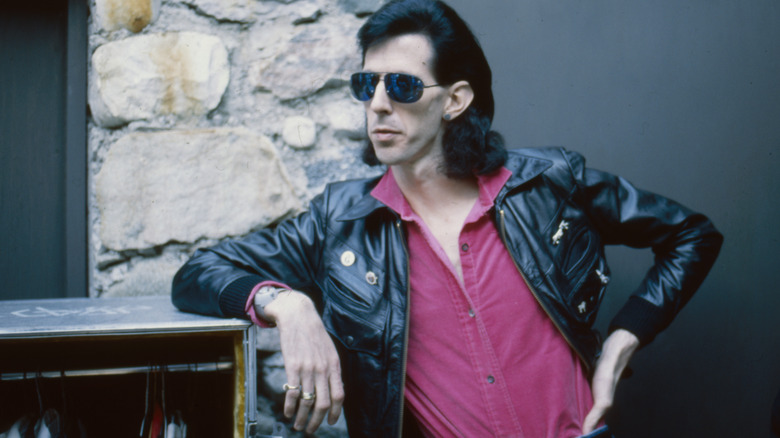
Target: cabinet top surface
(104, 316)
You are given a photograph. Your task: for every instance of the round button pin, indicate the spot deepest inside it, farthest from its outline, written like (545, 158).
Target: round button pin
(348, 258)
(371, 278)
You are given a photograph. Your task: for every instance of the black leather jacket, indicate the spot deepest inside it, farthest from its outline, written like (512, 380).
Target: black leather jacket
(554, 215)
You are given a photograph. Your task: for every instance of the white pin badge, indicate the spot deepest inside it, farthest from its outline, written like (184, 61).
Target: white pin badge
(348, 258)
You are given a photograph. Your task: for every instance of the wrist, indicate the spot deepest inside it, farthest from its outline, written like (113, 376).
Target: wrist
(287, 305)
(262, 298)
(620, 346)
(624, 338)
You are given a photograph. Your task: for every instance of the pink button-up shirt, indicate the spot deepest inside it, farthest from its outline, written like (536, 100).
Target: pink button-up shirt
(484, 359)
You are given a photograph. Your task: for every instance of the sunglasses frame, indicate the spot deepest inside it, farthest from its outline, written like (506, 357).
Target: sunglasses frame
(363, 86)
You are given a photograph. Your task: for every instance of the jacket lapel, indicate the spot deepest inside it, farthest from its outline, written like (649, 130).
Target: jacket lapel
(524, 168)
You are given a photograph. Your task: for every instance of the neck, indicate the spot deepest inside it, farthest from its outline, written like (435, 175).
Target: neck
(428, 189)
(443, 203)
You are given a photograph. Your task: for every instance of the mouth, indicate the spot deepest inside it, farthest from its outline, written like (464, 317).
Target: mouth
(384, 130)
(383, 134)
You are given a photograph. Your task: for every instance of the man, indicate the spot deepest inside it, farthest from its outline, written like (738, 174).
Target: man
(455, 295)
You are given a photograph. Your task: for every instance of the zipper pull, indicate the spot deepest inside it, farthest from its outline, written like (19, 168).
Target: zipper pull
(562, 227)
(604, 279)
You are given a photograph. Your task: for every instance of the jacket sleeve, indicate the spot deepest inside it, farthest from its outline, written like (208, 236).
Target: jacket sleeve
(685, 245)
(218, 280)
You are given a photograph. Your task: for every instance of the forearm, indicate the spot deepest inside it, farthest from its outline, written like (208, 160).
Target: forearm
(616, 353)
(210, 285)
(618, 349)
(219, 280)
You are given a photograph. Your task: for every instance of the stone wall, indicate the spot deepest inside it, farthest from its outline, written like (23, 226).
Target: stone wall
(209, 119)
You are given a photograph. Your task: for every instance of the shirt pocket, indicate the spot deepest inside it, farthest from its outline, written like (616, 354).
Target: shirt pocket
(354, 311)
(354, 333)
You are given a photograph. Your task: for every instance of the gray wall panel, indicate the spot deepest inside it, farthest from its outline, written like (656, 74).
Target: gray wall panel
(32, 150)
(682, 98)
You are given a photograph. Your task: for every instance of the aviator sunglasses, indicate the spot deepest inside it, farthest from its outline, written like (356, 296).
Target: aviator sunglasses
(400, 87)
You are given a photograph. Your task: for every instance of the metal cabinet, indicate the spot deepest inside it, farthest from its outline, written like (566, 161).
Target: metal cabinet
(106, 361)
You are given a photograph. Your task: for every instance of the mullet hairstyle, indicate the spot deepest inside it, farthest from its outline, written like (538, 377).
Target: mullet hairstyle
(470, 146)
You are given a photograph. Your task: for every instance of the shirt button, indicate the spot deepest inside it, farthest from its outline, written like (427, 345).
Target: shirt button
(465, 247)
(491, 379)
(472, 313)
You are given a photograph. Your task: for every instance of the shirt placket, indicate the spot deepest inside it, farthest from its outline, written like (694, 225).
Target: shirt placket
(491, 380)
(467, 317)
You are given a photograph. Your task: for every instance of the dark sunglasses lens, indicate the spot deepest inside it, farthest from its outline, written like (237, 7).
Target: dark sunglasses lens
(364, 85)
(404, 88)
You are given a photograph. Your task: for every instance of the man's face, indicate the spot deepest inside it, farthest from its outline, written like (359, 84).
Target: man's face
(406, 134)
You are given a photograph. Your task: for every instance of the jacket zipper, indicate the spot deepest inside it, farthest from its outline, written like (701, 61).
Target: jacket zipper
(406, 337)
(536, 295)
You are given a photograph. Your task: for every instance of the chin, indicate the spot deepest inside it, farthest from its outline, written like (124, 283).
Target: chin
(382, 151)
(385, 159)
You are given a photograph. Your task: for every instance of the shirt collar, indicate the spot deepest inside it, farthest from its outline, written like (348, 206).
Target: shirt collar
(490, 185)
(388, 193)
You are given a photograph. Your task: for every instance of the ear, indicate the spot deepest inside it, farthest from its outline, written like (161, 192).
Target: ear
(460, 97)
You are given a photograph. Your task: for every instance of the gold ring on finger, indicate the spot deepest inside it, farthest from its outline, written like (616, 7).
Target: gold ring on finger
(308, 396)
(288, 387)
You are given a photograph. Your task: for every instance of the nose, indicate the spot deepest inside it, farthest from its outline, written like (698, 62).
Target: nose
(380, 103)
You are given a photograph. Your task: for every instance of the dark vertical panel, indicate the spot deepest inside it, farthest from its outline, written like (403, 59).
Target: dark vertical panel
(682, 98)
(32, 155)
(76, 152)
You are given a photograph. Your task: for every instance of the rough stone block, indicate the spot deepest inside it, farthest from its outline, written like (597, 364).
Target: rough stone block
(347, 118)
(267, 339)
(272, 376)
(182, 186)
(240, 11)
(315, 57)
(299, 132)
(133, 15)
(306, 12)
(151, 276)
(360, 7)
(142, 77)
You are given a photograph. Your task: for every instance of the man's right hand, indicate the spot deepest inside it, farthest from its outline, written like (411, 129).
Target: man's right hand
(310, 360)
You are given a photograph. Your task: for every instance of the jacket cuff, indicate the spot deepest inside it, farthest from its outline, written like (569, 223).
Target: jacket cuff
(639, 317)
(233, 298)
(249, 308)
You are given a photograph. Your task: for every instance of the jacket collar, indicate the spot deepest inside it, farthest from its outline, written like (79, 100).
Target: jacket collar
(523, 167)
(363, 208)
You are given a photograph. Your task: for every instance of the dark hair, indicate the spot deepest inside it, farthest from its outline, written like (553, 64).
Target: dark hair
(470, 147)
